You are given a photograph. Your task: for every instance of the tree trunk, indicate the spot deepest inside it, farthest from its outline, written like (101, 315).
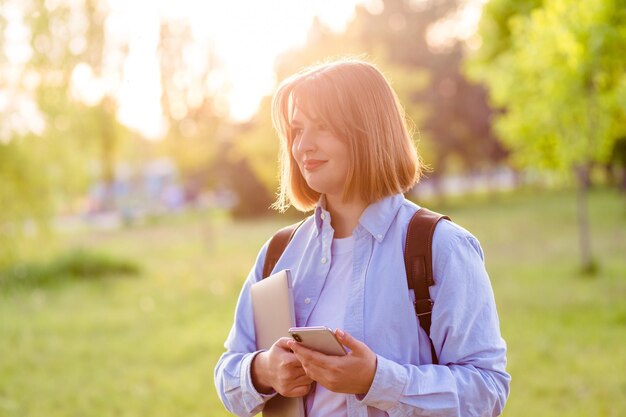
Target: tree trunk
(582, 180)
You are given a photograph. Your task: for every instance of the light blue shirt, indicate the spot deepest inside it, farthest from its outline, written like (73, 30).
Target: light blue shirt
(471, 378)
(329, 311)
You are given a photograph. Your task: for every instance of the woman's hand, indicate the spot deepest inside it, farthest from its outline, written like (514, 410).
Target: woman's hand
(279, 369)
(349, 374)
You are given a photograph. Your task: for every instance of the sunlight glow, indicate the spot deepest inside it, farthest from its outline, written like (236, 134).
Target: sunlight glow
(244, 37)
(247, 37)
(460, 25)
(18, 109)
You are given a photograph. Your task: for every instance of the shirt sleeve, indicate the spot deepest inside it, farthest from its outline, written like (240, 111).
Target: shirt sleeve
(233, 380)
(471, 378)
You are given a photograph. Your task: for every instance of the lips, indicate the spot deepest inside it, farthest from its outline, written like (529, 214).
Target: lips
(312, 164)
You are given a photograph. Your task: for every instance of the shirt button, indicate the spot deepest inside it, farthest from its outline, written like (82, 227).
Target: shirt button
(323, 216)
(307, 300)
(379, 237)
(324, 260)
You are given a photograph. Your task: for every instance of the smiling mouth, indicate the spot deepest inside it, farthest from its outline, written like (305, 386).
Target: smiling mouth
(312, 164)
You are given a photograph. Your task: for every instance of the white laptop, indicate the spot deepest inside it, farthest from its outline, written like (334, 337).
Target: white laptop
(272, 303)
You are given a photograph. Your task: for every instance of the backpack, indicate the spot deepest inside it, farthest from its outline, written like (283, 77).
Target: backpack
(417, 261)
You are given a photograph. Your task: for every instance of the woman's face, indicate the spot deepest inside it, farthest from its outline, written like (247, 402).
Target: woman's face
(322, 157)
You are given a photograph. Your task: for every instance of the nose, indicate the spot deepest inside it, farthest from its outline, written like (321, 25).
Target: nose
(304, 143)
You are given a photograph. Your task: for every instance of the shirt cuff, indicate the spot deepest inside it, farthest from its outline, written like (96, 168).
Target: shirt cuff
(252, 399)
(388, 385)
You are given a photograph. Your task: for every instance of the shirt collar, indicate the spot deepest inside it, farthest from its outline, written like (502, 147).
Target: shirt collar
(376, 219)
(378, 216)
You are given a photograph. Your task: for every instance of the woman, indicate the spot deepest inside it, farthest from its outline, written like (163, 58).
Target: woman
(348, 156)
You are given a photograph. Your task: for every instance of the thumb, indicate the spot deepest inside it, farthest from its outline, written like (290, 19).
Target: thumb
(283, 343)
(349, 341)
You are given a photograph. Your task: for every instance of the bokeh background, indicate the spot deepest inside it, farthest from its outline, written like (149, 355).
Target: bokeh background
(138, 162)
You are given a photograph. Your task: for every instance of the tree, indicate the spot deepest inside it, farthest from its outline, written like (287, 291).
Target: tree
(46, 160)
(190, 100)
(560, 77)
(455, 116)
(25, 197)
(259, 141)
(618, 160)
(67, 39)
(450, 115)
(236, 173)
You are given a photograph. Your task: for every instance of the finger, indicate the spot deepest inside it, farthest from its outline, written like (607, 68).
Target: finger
(301, 348)
(291, 343)
(317, 363)
(292, 363)
(303, 353)
(293, 380)
(349, 341)
(296, 372)
(283, 343)
(303, 379)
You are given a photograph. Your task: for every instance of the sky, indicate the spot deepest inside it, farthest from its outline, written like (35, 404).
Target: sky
(243, 42)
(238, 32)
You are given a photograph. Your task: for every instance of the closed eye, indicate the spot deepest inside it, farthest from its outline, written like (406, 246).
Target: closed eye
(296, 131)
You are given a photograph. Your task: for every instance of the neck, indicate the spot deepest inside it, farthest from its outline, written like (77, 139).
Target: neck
(344, 215)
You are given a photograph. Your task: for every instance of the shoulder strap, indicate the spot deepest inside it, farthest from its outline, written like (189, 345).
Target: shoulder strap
(277, 246)
(418, 261)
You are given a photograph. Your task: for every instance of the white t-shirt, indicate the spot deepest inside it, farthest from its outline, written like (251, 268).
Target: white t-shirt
(330, 312)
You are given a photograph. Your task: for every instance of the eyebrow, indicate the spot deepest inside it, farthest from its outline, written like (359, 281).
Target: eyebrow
(296, 122)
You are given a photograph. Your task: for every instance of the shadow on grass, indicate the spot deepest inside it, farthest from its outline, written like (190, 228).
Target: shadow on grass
(76, 264)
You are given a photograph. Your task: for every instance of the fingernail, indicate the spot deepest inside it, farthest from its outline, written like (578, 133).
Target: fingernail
(340, 333)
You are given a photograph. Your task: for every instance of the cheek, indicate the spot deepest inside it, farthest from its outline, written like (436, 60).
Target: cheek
(295, 157)
(294, 150)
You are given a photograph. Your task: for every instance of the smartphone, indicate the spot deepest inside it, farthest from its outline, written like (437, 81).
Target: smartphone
(319, 338)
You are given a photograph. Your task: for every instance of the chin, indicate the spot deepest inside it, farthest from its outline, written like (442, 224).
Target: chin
(317, 188)
(322, 187)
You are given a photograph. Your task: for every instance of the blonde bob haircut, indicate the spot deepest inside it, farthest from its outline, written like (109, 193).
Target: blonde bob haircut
(356, 102)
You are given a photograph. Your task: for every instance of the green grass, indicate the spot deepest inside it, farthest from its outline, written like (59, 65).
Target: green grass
(147, 345)
(74, 264)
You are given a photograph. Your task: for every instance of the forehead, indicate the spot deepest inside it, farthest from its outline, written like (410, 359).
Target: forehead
(300, 115)
(306, 100)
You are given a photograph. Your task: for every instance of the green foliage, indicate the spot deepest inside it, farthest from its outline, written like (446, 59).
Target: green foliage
(559, 75)
(148, 346)
(259, 143)
(24, 192)
(72, 265)
(560, 78)
(192, 110)
(495, 26)
(43, 172)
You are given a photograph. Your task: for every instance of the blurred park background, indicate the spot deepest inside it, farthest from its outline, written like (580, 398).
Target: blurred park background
(138, 162)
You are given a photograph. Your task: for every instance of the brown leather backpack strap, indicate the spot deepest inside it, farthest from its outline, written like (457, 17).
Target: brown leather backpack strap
(277, 246)
(418, 261)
